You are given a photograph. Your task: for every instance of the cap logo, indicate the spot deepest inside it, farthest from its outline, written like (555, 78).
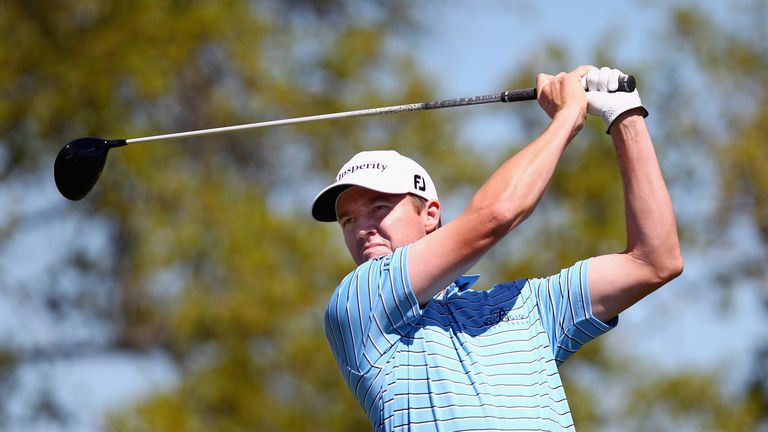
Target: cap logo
(419, 183)
(372, 166)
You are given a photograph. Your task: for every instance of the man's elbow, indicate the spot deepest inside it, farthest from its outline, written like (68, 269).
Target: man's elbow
(670, 266)
(660, 265)
(496, 220)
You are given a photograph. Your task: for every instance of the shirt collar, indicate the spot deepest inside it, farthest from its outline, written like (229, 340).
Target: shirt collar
(466, 281)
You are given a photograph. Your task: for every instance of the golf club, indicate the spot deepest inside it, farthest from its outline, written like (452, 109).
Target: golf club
(79, 164)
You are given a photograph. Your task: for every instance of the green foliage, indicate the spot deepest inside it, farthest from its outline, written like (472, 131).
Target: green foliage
(9, 363)
(734, 61)
(214, 259)
(696, 403)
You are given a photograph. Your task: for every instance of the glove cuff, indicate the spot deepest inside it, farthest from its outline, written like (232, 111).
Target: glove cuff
(610, 116)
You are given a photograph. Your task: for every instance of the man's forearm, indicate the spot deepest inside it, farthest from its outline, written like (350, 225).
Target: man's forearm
(651, 227)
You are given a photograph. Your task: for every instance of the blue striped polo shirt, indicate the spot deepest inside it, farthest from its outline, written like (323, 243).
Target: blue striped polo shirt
(468, 361)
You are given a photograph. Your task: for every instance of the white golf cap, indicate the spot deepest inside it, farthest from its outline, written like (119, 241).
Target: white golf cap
(384, 171)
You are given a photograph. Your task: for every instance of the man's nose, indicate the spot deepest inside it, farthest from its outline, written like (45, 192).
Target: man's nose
(365, 227)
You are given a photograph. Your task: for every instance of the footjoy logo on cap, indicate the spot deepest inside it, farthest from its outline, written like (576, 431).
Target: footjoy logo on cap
(372, 166)
(418, 183)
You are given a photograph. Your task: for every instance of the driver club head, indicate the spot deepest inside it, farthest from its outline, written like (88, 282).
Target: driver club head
(79, 164)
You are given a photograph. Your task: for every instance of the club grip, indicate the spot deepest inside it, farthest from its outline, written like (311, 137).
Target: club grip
(518, 95)
(626, 84)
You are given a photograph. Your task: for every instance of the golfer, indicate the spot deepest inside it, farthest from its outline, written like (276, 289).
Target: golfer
(421, 349)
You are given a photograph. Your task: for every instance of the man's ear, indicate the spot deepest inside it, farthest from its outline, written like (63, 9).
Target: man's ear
(431, 216)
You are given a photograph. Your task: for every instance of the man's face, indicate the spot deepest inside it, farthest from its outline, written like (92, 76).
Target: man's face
(375, 224)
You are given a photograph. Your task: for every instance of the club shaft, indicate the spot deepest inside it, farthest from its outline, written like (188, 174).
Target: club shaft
(507, 96)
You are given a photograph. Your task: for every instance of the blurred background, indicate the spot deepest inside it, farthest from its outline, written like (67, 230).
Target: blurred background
(186, 292)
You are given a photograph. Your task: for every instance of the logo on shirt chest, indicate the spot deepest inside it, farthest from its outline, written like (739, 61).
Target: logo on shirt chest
(502, 315)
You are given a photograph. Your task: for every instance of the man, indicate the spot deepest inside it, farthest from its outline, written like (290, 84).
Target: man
(419, 348)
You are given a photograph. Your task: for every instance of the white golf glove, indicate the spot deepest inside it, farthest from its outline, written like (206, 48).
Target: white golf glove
(601, 101)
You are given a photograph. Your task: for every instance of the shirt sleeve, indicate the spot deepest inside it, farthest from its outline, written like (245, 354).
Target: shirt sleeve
(566, 310)
(370, 310)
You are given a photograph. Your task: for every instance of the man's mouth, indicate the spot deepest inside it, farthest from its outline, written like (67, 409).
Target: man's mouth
(367, 248)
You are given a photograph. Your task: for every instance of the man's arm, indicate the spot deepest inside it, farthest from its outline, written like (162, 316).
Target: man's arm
(507, 198)
(652, 257)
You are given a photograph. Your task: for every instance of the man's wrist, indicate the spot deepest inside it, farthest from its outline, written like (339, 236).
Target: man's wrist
(573, 112)
(572, 115)
(628, 119)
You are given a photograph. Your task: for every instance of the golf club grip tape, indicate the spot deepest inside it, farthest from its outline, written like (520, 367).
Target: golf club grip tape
(519, 95)
(626, 83)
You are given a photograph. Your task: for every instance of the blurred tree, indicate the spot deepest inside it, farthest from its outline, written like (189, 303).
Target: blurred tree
(212, 258)
(731, 123)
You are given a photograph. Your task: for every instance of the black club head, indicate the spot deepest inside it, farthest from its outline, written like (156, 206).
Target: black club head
(79, 164)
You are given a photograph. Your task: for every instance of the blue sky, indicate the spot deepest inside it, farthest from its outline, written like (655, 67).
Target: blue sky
(469, 47)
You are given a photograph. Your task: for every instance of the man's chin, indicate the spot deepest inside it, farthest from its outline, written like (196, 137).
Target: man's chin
(375, 252)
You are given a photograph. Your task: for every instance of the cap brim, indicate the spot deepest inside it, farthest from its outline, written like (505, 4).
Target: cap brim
(324, 206)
